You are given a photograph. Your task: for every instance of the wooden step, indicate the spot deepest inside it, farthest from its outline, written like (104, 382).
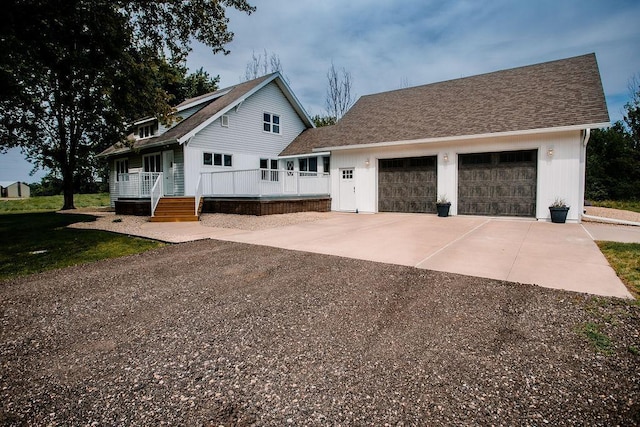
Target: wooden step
(176, 209)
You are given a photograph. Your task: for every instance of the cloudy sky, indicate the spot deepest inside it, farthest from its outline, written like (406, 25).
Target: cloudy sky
(387, 44)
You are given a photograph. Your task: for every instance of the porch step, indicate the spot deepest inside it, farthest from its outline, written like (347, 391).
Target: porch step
(176, 209)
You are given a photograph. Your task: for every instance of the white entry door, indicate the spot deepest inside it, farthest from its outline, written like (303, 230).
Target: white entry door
(290, 178)
(347, 198)
(167, 167)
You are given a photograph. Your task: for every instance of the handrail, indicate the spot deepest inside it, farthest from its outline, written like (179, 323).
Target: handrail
(198, 193)
(156, 193)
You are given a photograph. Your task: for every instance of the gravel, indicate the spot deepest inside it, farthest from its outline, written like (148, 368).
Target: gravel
(612, 213)
(220, 333)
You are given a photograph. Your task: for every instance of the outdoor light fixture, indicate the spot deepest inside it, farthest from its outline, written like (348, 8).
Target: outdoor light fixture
(366, 162)
(550, 152)
(445, 157)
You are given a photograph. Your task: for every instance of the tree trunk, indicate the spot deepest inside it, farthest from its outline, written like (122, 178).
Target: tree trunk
(67, 190)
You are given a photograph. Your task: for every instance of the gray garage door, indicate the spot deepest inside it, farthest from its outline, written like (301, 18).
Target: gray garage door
(407, 185)
(497, 183)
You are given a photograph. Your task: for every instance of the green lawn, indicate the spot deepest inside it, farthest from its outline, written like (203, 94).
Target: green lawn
(53, 203)
(616, 204)
(39, 241)
(625, 260)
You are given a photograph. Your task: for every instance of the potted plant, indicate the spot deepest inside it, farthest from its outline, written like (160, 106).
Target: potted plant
(443, 205)
(559, 210)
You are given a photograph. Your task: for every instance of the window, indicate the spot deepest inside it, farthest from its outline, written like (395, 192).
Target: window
(217, 159)
(269, 175)
(224, 121)
(146, 131)
(271, 123)
(347, 174)
(308, 164)
(326, 164)
(122, 167)
(207, 159)
(152, 163)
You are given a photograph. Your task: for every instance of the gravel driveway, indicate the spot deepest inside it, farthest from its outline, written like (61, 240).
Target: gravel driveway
(220, 333)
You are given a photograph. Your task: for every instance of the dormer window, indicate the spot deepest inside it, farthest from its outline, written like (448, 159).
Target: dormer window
(146, 131)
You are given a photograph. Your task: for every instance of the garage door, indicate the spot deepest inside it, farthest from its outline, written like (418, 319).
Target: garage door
(407, 184)
(497, 183)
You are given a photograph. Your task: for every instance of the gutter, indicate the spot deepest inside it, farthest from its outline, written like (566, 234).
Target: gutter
(464, 137)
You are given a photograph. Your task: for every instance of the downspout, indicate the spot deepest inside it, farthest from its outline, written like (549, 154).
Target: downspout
(583, 170)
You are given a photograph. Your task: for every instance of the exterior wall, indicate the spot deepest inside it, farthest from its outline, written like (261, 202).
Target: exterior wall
(244, 138)
(560, 175)
(17, 190)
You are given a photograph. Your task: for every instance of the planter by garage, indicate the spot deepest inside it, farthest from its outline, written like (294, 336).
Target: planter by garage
(443, 209)
(559, 214)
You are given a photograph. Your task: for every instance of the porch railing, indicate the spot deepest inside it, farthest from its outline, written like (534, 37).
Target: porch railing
(156, 193)
(136, 184)
(198, 193)
(264, 182)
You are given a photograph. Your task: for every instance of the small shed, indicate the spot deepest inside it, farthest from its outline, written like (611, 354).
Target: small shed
(14, 189)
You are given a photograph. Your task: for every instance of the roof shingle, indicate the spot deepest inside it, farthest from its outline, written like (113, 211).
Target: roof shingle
(561, 93)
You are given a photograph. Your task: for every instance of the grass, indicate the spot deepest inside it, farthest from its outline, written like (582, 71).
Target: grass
(52, 203)
(600, 341)
(617, 204)
(39, 241)
(625, 260)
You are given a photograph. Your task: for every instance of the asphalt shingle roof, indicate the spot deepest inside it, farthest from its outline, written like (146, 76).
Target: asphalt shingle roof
(193, 121)
(561, 93)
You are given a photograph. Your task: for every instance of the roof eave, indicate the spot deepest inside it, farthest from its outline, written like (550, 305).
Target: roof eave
(126, 150)
(463, 137)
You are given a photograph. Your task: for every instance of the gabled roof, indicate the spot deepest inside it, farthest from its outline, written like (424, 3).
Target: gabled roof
(217, 104)
(560, 94)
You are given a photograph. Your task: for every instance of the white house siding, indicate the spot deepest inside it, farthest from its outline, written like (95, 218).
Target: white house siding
(559, 175)
(244, 139)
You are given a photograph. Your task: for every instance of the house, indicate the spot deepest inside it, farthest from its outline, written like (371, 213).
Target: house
(506, 143)
(14, 189)
(223, 144)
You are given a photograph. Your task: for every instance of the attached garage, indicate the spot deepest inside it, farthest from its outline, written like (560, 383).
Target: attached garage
(498, 184)
(407, 184)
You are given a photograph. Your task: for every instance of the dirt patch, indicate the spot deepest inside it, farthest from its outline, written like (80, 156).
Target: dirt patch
(612, 214)
(220, 333)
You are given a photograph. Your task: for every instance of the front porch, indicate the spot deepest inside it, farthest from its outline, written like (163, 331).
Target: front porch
(245, 192)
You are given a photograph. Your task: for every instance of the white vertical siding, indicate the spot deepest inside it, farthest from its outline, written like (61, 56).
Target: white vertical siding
(244, 138)
(560, 175)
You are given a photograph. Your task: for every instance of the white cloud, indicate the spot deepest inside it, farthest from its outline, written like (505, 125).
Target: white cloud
(386, 42)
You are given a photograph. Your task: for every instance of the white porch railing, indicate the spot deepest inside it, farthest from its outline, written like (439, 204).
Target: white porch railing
(264, 182)
(136, 184)
(156, 193)
(198, 193)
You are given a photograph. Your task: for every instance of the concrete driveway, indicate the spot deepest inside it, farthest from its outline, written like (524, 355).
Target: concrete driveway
(561, 256)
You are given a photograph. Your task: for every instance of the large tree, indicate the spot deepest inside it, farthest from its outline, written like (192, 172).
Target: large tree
(73, 72)
(613, 155)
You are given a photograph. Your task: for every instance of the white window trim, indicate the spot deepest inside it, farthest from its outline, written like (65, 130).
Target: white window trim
(151, 127)
(117, 169)
(279, 124)
(157, 153)
(224, 121)
(213, 160)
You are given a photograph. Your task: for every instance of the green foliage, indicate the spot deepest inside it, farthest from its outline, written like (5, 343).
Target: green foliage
(624, 205)
(613, 156)
(36, 242)
(320, 121)
(624, 258)
(52, 203)
(196, 84)
(74, 72)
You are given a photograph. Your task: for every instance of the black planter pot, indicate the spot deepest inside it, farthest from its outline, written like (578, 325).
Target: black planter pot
(443, 209)
(559, 215)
